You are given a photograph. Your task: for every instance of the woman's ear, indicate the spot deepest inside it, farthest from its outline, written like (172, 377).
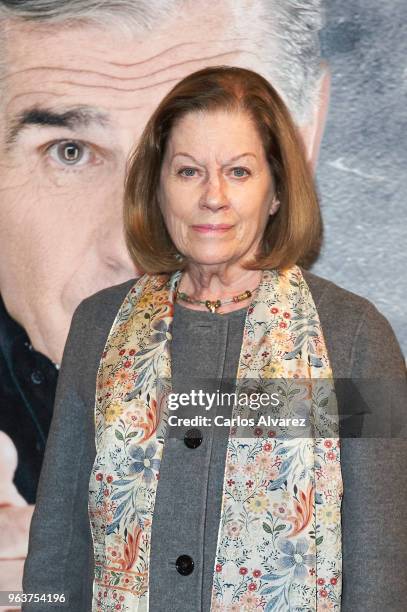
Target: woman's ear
(313, 130)
(275, 205)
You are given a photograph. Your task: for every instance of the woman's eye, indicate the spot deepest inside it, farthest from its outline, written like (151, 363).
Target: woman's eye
(70, 153)
(239, 172)
(187, 171)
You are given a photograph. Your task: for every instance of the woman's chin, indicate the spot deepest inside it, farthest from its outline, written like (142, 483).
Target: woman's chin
(210, 259)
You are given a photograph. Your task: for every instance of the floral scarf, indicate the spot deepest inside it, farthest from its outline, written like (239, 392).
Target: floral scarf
(279, 539)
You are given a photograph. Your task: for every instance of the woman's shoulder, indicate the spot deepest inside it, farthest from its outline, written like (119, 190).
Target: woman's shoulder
(90, 326)
(344, 305)
(94, 316)
(323, 289)
(359, 337)
(106, 301)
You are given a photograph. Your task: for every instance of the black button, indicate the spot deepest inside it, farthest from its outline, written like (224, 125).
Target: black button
(193, 438)
(184, 565)
(37, 377)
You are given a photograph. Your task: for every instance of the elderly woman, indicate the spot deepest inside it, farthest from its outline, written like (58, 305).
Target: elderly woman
(226, 513)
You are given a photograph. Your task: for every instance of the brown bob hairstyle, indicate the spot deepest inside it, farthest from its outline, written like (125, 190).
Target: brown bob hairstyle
(291, 235)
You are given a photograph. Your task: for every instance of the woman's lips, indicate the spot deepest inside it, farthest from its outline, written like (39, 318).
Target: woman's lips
(209, 227)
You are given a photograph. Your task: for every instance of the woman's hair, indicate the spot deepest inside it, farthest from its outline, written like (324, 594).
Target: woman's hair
(291, 235)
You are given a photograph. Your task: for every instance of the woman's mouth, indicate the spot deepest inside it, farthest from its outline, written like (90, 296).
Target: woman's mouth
(212, 227)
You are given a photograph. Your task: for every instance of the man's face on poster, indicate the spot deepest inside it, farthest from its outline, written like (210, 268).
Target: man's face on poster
(74, 102)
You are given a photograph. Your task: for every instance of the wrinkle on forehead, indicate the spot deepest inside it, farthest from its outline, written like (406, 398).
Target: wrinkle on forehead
(178, 36)
(133, 64)
(51, 64)
(150, 82)
(87, 73)
(99, 50)
(208, 58)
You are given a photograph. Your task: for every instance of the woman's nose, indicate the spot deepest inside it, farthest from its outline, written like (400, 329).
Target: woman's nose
(214, 195)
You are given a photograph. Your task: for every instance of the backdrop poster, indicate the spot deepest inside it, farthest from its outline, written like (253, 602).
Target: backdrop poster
(80, 79)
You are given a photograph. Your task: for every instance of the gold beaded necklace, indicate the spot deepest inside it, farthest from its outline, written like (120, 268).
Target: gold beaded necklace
(213, 305)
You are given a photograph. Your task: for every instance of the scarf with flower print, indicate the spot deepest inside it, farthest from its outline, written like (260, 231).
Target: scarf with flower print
(279, 538)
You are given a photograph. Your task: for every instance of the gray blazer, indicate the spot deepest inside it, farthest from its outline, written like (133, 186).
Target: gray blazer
(361, 344)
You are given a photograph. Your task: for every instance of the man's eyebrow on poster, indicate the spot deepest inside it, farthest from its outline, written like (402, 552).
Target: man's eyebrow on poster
(73, 118)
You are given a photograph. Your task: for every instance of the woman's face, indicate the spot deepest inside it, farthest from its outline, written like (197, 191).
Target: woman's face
(216, 189)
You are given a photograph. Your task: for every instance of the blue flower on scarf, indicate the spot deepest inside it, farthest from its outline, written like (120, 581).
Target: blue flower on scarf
(144, 461)
(294, 556)
(160, 331)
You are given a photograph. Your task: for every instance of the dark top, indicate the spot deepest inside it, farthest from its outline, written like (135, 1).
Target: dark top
(360, 343)
(204, 355)
(28, 382)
